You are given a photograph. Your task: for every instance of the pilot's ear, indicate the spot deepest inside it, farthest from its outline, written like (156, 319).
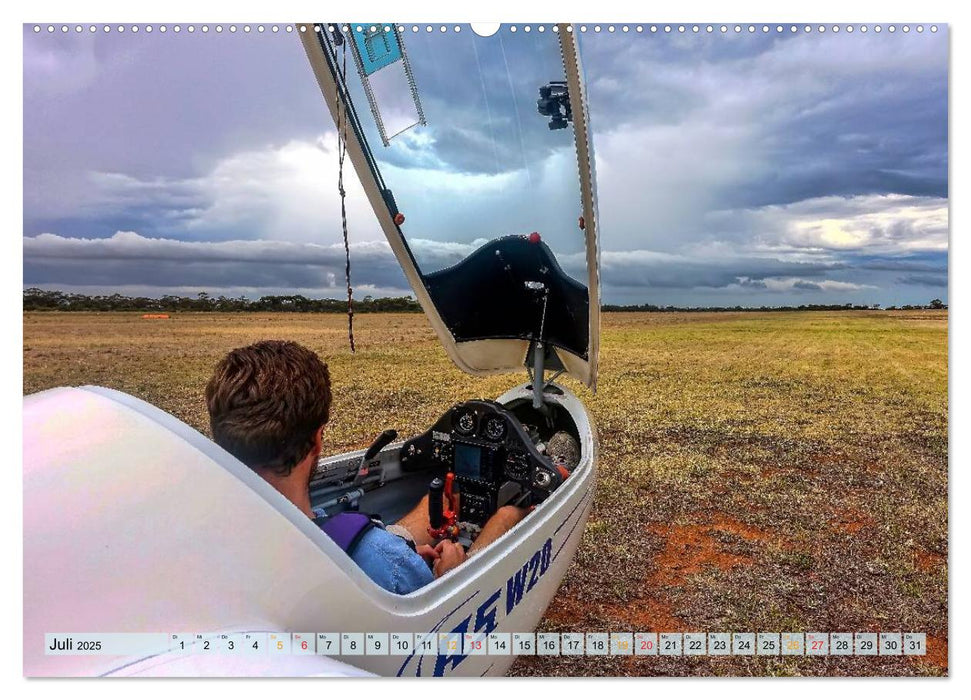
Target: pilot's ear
(319, 440)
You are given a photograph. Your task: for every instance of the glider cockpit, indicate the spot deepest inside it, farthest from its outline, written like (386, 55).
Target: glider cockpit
(484, 453)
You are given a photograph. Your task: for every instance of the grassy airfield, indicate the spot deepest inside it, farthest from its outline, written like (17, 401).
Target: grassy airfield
(758, 471)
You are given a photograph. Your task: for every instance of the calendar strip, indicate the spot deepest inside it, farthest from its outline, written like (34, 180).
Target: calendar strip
(352, 644)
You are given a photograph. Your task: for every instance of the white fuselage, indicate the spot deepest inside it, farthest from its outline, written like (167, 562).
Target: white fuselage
(134, 522)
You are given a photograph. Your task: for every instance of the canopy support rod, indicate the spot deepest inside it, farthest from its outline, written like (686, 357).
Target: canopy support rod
(538, 372)
(539, 352)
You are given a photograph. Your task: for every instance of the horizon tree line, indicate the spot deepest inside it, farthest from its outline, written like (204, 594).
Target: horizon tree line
(36, 299)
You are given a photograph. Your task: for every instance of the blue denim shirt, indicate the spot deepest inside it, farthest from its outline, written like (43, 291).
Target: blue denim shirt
(390, 562)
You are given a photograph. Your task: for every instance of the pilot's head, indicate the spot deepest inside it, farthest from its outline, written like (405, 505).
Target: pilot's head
(268, 403)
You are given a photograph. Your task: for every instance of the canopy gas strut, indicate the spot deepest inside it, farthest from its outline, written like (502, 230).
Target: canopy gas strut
(539, 352)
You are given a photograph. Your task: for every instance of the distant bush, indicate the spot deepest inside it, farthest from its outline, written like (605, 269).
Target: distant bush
(936, 304)
(43, 300)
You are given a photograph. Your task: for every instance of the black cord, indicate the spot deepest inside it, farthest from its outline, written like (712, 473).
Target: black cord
(341, 152)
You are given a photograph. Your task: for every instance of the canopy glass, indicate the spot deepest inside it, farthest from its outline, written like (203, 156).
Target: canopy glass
(471, 142)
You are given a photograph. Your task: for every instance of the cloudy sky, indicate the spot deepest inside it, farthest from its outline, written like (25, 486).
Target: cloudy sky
(761, 169)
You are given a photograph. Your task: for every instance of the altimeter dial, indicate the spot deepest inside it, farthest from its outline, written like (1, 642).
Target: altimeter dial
(465, 423)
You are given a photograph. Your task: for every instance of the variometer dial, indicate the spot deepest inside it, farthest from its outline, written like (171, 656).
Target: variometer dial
(465, 423)
(517, 465)
(495, 428)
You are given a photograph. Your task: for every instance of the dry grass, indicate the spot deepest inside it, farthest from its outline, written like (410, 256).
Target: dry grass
(759, 472)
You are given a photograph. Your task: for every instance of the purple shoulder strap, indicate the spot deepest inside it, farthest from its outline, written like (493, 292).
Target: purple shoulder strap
(346, 529)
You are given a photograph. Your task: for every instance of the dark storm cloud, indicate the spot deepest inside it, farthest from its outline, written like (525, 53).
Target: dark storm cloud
(135, 259)
(731, 168)
(806, 286)
(920, 262)
(152, 107)
(646, 270)
(924, 280)
(815, 115)
(107, 273)
(131, 259)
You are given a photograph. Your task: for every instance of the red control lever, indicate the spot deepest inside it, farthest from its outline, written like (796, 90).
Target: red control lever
(442, 517)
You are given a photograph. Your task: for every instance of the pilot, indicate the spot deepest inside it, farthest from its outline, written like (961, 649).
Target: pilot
(268, 405)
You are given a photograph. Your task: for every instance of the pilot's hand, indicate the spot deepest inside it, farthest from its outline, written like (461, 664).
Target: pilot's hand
(427, 552)
(450, 555)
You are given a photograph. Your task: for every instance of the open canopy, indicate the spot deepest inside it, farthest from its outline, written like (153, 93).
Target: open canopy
(475, 154)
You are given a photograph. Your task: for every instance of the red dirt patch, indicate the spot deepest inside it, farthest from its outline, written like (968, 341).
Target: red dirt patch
(928, 561)
(829, 459)
(936, 651)
(647, 614)
(689, 549)
(851, 520)
(565, 611)
(726, 523)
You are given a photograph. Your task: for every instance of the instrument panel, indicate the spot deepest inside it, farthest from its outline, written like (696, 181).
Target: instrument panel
(494, 459)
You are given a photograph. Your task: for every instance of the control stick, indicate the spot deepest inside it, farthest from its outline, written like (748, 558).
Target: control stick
(435, 491)
(442, 511)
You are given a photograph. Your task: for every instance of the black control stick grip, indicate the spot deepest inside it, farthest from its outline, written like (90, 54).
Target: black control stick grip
(436, 490)
(380, 442)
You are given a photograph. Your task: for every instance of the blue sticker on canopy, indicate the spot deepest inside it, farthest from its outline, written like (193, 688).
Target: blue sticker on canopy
(377, 45)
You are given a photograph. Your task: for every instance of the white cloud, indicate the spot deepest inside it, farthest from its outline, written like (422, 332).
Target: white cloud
(890, 224)
(789, 284)
(274, 193)
(128, 245)
(289, 193)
